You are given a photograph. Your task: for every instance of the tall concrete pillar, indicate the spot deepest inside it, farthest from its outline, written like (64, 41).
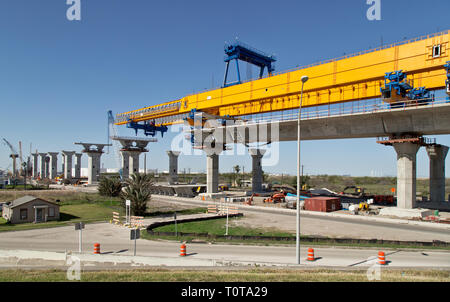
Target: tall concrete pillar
(257, 172)
(53, 165)
(134, 161)
(47, 167)
(68, 164)
(42, 166)
(35, 170)
(78, 165)
(125, 164)
(93, 167)
(212, 173)
(94, 155)
(406, 174)
(437, 155)
(173, 166)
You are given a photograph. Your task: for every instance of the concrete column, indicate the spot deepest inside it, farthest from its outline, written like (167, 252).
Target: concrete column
(53, 165)
(173, 166)
(406, 174)
(35, 165)
(47, 167)
(63, 162)
(125, 164)
(93, 166)
(212, 173)
(437, 155)
(257, 172)
(134, 162)
(42, 166)
(68, 164)
(78, 165)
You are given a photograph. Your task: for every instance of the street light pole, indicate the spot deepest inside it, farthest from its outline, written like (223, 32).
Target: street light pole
(304, 79)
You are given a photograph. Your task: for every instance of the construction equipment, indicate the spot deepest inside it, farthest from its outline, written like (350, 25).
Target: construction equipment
(14, 155)
(358, 191)
(350, 78)
(447, 82)
(363, 206)
(398, 90)
(276, 198)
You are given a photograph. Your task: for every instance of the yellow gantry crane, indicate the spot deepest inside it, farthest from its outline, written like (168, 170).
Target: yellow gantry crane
(389, 72)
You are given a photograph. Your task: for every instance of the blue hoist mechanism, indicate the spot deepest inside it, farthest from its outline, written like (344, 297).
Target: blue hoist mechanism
(447, 82)
(191, 120)
(149, 127)
(397, 88)
(240, 51)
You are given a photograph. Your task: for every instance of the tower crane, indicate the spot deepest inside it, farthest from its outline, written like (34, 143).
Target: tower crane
(14, 155)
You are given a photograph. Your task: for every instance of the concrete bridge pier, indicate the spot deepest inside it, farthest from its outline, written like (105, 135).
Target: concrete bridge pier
(437, 155)
(35, 170)
(173, 166)
(406, 174)
(42, 165)
(93, 167)
(47, 163)
(68, 164)
(78, 165)
(94, 154)
(53, 165)
(257, 172)
(125, 164)
(133, 160)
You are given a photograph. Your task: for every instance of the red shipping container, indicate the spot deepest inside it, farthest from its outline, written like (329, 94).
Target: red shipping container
(323, 204)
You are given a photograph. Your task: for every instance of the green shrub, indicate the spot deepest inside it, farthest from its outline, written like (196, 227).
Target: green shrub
(110, 186)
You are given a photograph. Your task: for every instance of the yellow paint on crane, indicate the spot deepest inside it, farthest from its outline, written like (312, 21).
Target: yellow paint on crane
(354, 77)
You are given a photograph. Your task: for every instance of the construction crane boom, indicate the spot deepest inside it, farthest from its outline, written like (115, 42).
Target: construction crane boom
(354, 77)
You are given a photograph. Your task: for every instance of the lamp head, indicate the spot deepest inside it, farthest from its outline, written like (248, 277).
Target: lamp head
(304, 79)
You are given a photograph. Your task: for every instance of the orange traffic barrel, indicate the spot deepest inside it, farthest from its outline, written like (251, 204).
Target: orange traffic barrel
(96, 248)
(381, 258)
(183, 250)
(311, 254)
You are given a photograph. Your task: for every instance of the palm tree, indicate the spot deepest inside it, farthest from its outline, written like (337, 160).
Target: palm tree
(237, 169)
(110, 186)
(137, 190)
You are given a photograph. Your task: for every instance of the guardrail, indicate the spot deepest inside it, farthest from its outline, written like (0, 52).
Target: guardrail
(342, 109)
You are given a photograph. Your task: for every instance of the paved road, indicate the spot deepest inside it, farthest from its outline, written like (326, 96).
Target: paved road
(114, 240)
(333, 226)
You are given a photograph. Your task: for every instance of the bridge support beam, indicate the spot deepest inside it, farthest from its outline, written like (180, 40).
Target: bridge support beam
(257, 172)
(406, 174)
(173, 166)
(437, 155)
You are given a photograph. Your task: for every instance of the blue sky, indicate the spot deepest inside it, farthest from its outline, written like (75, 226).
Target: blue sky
(58, 78)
